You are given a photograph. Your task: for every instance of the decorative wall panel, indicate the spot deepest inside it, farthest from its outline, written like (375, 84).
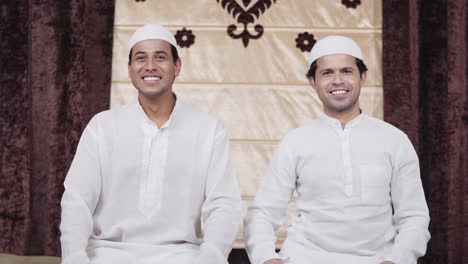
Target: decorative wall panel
(254, 82)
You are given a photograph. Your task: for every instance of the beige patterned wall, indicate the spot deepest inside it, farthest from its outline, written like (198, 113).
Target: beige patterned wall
(260, 91)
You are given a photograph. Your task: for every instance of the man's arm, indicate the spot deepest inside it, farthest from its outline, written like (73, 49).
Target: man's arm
(411, 215)
(221, 209)
(82, 190)
(266, 213)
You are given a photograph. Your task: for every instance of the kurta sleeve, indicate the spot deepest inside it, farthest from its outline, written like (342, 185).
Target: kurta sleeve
(221, 208)
(82, 190)
(267, 212)
(411, 215)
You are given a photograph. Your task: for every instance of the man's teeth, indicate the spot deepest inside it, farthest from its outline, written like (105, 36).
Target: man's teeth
(339, 92)
(152, 78)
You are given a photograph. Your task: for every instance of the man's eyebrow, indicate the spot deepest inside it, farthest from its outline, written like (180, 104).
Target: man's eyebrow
(325, 69)
(155, 52)
(340, 69)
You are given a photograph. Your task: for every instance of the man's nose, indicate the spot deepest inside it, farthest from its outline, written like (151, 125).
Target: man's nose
(338, 78)
(150, 65)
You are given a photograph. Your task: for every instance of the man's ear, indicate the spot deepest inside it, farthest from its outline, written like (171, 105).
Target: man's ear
(178, 66)
(312, 82)
(363, 78)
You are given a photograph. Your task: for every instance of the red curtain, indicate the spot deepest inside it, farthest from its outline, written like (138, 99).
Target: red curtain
(56, 67)
(425, 94)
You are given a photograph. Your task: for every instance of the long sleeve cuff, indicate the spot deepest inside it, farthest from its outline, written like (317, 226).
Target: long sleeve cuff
(210, 254)
(77, 258)
(262, 253)
(400, 256)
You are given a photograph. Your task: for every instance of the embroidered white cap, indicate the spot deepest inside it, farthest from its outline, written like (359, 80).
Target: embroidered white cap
(151, 31)
(334, 45)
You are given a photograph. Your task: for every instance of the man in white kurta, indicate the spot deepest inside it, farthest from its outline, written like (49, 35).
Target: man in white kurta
(147, 176)
(359, 192)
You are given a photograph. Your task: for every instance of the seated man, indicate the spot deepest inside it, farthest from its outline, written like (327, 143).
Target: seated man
(360, 198)
(146, 176)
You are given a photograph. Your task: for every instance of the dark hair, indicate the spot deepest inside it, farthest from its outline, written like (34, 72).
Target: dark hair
(175, 54)
(313, 67)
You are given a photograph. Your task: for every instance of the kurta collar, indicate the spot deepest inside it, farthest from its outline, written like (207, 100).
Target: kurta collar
(336, 124)
(143, 117)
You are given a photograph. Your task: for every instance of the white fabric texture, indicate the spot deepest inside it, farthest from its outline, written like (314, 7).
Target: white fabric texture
(347, 181)
(138, 194)
(151, 31)
(334, 45)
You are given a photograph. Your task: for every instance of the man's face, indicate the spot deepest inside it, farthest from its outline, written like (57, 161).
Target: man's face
(338, 84)
(152, 69)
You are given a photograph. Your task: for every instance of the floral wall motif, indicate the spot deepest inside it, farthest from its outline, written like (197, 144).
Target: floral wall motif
(245, 17)
(351, 3)
(185, 38)
(257, 87)
(305, 41)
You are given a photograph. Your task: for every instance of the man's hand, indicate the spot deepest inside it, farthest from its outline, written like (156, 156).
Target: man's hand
(273, 261)
(388, 262)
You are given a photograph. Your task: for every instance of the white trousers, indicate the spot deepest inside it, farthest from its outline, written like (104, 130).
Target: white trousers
(125, 253)
(296, 253)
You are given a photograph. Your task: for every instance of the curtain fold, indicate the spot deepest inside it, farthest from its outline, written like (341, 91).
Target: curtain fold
(425, 94)
(14, 123)
(56, 65)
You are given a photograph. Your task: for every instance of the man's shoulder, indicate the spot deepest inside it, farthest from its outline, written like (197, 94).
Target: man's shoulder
(307, 126)
(112, 113)
(384, 127)
(108, 118)
(304, 131)
(195, 114)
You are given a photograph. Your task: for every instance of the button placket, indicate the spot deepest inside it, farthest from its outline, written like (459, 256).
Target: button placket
(346, 152)
(150, 175)
(154, 171)
(144, 204)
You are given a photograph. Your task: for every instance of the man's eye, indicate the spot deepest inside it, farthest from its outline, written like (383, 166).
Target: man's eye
(140, 58)
(160, 57)
(326, 73)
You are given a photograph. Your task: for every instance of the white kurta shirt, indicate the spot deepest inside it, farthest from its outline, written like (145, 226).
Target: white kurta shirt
(347, 181)
(136, 193)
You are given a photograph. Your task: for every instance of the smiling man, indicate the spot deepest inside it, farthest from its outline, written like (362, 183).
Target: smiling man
(360, 198)
(146, 176)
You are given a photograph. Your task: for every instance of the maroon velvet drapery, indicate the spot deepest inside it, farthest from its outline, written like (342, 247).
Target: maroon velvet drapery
(425, 93)
(55, 62)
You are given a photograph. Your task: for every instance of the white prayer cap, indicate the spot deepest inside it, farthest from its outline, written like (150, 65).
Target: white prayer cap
(334, 45)
(151, 31)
